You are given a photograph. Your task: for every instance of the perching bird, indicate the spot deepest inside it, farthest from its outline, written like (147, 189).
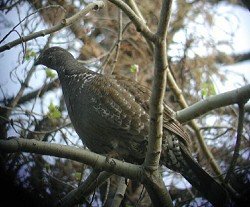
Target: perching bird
(110, 113)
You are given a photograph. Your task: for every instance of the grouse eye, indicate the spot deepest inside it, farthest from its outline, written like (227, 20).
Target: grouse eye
(50, 59)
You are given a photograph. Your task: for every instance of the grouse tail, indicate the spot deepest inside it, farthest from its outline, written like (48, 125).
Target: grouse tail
(213, 191)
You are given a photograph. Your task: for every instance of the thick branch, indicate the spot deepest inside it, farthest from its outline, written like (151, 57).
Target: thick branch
(231, 97)
(120, 192)
(98, 162)
(64, 23)
(158, 90)
(153, 182)
(164, 19)
(156, 189)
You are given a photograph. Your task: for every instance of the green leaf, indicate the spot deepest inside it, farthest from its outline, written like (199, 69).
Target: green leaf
(50, 73)
(134, 68)
(54, 112)
(47, 166)
(78, 176)
(207, 89)
(29, 54)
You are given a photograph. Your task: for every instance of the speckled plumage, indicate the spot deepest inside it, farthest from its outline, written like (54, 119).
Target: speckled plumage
(111, 114)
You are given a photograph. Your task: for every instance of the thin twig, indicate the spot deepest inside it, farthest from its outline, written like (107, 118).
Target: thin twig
(13, 29)
(105, 62)
(24, 85)
(50, 131)
(29, 96)
(64, 23)
(118, 44)
(238, 141)
(142, 194)
(8, 8)
(135, 8)
(138, 22)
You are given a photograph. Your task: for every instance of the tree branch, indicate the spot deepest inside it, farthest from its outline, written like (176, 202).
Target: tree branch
(14, 28)
(64, 23)
(120, 192)
(158, 90)
(247, 108)
(135, 8)
(100, 180)
(156, 189)
(153, 182)
(41, 91)
(240, 57)
(76, 196)
(238, 141)
(246, 3)
(24, 85)
(119, 39)
(220, 58)
(111, 50)
(138, 22)
(92, 159)
(178, 93)
(202, 107)
(164, 20)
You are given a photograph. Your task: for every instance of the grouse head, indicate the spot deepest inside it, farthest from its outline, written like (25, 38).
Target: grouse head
(54, 58)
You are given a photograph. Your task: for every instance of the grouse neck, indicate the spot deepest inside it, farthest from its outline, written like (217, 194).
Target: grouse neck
(72, 67)
(76, 72)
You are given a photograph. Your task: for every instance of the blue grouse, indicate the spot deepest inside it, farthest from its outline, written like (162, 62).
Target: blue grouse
(110, 113)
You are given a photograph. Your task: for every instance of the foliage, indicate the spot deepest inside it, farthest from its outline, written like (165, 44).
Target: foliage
(50, 73)
(208, 89)
(133, 68)
(53, 112)
(29, 54)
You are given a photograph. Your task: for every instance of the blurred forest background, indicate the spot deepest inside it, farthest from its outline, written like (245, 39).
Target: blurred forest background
(208, 53)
